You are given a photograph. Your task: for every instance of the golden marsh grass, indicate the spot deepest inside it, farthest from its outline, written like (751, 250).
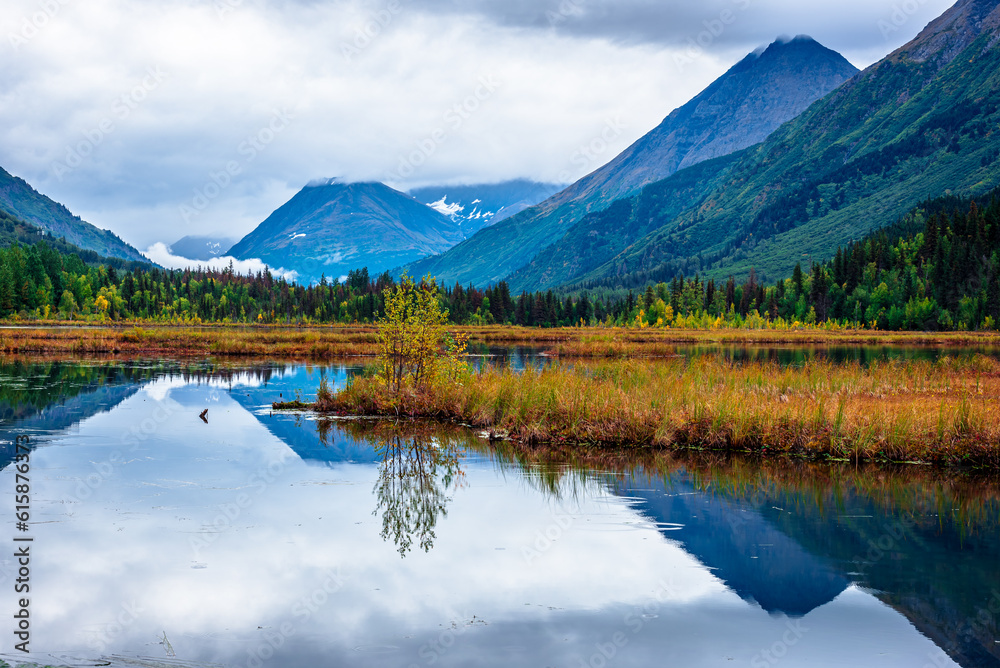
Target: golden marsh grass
(945, 413)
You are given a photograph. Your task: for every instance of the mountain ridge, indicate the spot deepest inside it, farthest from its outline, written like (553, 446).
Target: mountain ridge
(917, 124)
(201, 248)
(20, 200)
(481, 205)
(710, 125)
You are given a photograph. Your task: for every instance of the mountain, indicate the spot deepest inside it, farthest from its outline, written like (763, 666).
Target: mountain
(333, 227)
(920, 123)
(20, 200)
(14, 231)
(741, 108)
(478, 206)
(201, 248)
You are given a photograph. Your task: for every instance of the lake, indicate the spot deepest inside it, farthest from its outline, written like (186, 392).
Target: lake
(248, 538)
(518, 357)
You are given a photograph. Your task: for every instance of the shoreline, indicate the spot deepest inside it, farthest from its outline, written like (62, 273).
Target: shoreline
(942, 414)
(319, 343)
(544, 448)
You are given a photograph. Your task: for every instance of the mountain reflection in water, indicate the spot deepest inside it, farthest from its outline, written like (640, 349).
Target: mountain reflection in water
(703, 557)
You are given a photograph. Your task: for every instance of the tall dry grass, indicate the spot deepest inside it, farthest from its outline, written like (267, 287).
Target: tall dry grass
(232, 341)
(359, 340)
(946, 412)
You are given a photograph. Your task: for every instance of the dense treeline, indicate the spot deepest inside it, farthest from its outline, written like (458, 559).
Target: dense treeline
(14, 231)
(938, 268)
(37, 282)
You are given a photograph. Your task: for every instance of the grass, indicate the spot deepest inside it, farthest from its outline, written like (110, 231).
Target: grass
(624, 387)
(224, 341)
(321, 343)
(966, 498)
(943, 413)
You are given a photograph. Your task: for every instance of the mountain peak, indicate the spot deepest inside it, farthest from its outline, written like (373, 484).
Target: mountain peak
(320, 183)
(201, 248)
(481, 205)
(770, 86)
(333, 226)
(785, 40)
(740, 109)
(799, 47)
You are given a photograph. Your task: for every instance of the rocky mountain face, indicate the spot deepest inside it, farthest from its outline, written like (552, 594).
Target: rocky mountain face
(951, 33)
(477, 206)
(744, 106)
(20, 200)
(333, 227)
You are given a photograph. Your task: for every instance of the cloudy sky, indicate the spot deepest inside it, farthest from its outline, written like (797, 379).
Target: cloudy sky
(163, 118)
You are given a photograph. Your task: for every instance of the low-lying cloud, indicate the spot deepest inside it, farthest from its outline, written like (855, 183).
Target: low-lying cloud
(161, 255)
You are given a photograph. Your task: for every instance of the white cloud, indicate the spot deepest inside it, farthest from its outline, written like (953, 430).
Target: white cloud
(160, 388)
(356, 112)
(160, 254)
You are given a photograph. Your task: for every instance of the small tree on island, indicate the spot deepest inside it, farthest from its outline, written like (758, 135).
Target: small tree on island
(415, 349)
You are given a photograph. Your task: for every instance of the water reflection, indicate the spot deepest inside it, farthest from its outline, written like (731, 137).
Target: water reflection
(413, 482)
(225, 534)
(801, 354)
(519, 358)
(41, 397)
(417, 470)
(792, 536)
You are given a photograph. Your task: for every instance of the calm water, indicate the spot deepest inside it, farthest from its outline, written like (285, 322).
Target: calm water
(253, 539)
(521, 356)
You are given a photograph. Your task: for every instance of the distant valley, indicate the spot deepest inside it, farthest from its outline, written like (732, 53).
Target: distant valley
(202, 248)
(478, 206)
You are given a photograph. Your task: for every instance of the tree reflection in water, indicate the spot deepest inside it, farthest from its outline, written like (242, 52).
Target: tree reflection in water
(417, 473)
(925, 541)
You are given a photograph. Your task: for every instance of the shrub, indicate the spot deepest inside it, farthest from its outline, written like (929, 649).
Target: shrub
(414, 348)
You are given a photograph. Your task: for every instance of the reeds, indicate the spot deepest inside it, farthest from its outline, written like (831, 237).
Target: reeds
(945, 413)
(223, 341)
(323, 343)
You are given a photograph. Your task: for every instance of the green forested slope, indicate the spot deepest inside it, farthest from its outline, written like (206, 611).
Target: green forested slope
(20, 200)
(923, 122)
(738, 110)
(602, 235)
